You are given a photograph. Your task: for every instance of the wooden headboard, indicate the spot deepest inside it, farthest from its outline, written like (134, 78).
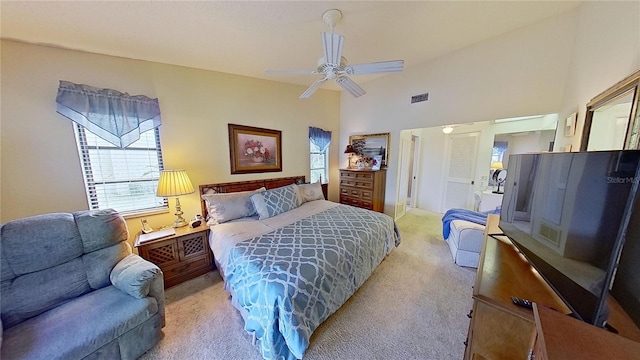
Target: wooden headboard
(245, 186)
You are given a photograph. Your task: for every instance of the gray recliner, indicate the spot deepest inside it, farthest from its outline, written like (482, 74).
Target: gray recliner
(72, 289)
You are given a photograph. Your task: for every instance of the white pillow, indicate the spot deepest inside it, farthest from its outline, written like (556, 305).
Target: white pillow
(225, 207)
(310, 192)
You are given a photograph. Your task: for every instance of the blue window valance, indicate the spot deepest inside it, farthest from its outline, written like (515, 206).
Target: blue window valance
(321, 138)
(117, 117)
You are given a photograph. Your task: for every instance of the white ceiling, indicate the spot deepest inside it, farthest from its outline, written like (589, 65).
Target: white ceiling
(248, 37)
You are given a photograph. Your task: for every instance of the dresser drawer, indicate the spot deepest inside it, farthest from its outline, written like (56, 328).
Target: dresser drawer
(361, 184)
(364, 184)
(185, 268)
(366, 204)
(349, 200)
(347, 182)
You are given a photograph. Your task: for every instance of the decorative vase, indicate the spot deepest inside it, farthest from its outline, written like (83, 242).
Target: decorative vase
(257, 159)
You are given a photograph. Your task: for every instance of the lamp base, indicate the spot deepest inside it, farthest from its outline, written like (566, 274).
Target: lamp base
(180, 221)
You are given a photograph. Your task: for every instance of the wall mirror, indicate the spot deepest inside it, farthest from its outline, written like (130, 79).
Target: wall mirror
(612, 121)
(371, 145)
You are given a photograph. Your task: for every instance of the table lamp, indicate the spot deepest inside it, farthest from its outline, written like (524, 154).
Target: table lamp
(175, 183)
(349, 150)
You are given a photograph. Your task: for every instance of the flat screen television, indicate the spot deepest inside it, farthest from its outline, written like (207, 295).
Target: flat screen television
(568, 213)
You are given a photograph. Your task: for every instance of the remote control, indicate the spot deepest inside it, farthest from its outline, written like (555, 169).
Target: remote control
(522, 302)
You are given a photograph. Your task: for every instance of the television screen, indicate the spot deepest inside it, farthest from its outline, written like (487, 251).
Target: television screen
(566, 212)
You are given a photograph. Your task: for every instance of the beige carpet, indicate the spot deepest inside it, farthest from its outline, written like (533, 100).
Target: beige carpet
(414, 306)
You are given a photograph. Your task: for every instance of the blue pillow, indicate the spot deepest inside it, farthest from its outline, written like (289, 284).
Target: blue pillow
(272, 202)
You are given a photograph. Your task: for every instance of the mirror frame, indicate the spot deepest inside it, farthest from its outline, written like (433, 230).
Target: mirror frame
(386, 136)
(632, 138)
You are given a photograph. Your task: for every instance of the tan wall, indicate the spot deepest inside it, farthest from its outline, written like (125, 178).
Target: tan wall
(40, 168)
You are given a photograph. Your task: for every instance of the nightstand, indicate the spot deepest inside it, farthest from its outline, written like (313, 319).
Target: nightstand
(182, 256)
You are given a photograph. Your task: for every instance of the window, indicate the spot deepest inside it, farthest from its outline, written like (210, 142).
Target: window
(497, 153)
(124, 179)
(319, 163)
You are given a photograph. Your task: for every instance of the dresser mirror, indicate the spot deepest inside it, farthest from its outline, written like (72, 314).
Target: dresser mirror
(612, 121)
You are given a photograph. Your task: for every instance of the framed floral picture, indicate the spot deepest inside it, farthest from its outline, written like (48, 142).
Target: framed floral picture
(254, 150)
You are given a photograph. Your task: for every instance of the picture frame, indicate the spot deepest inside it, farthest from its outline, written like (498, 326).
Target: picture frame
(254, 150)
(570, 125)
(371, 145)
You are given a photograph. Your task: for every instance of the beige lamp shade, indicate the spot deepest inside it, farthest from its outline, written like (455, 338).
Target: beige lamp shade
(497, 165)
(174, 183)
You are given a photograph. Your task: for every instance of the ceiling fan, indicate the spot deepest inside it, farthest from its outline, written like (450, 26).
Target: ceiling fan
(333, 66)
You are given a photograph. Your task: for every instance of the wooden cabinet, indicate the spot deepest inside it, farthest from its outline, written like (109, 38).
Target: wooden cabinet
(363, 188)
(182, 256)
(501, 330)
(561, 337)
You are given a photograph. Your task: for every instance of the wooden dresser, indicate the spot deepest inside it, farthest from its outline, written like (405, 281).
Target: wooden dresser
(561, 337)
(363, 188)
(499, 329)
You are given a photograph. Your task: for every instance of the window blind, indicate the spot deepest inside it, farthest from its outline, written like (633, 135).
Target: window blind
(124, 179)
(319, 163)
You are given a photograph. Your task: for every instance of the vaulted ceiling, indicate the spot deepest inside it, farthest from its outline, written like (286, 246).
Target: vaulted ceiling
(249, 37)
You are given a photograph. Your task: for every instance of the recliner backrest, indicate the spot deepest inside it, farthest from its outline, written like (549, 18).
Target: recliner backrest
(48, 259)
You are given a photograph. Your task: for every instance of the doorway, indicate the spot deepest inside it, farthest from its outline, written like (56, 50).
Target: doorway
(414, 149)
(460, 173)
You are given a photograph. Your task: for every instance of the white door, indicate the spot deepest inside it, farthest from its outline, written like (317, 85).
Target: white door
(403, 173)
(460, 171)
(413, 172)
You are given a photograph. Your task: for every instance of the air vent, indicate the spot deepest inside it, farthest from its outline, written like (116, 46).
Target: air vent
(419, 98)
(549, 233)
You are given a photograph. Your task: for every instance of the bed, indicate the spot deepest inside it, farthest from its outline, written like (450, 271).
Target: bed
(289, 269)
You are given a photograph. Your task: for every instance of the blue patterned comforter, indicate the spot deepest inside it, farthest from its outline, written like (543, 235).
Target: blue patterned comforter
(292, 279)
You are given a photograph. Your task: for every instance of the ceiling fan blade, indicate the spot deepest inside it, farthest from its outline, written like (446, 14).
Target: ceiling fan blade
(375, 67)
(291, 72)
(307, 93)
(332, 45)
(349, 85)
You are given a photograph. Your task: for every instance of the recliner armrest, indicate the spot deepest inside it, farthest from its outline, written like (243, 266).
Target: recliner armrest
(139, 278)
(134, 275)
(156, 290)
